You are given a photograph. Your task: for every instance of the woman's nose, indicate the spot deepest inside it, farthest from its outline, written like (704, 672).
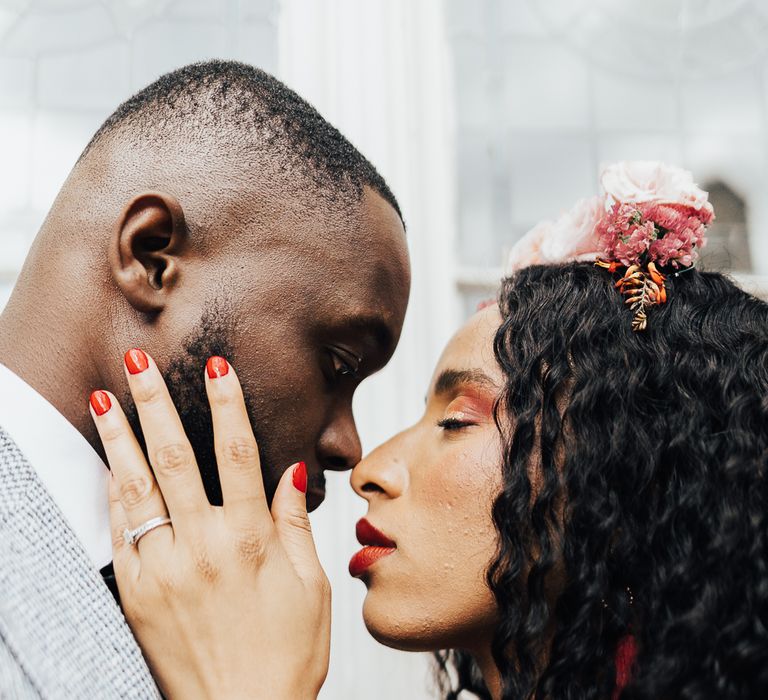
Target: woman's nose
(383, 471)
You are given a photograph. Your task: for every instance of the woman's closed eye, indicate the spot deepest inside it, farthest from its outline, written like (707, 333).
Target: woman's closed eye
(465, 411)
(452, 423)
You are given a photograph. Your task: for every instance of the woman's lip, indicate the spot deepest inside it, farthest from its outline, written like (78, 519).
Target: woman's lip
(367, 534)
(366, 557)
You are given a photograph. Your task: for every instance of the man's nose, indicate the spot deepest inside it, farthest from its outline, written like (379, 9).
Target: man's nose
(339, 446)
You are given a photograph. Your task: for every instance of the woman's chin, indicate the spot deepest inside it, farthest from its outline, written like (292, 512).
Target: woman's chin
(400, 639)
(398, 630)
(417, 623)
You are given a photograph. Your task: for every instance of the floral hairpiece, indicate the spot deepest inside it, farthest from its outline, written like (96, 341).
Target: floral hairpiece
(649, 223)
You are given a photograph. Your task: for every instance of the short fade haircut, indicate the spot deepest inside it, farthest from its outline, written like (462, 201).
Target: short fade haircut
(247, 106)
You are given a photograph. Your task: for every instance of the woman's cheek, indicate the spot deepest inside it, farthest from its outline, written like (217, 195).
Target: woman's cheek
(462, 485)
(475, 465)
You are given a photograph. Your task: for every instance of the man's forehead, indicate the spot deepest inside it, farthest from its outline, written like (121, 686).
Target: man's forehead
(342, 273)
(361, 265)
(328, 213)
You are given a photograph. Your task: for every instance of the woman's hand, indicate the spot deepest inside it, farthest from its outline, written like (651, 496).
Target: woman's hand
(226, 602)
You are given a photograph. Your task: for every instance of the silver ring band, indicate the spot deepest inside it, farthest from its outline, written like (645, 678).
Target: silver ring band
(133, 536)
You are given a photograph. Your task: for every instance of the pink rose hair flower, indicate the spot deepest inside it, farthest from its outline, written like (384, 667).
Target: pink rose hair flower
(667, 210)
(650, 216)
(667, 234)
(624, 235)
(651, 181)
(572, 237)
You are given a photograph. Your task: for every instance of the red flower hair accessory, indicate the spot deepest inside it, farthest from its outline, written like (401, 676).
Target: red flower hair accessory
(649, 222)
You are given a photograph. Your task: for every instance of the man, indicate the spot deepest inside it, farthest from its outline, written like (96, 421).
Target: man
(214, 213)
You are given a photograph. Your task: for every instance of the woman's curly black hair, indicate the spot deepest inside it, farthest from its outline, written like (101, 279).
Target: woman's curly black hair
(651, 450)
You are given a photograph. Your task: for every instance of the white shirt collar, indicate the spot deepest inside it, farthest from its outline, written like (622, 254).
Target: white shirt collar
(75, 476)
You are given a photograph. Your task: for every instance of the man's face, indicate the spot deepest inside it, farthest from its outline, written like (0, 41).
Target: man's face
(303, 319)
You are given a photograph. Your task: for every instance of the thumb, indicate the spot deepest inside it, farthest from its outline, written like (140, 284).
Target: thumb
(289, 512)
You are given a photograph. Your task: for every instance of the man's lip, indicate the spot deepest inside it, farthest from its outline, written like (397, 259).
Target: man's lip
(367, 534)
(315, 496)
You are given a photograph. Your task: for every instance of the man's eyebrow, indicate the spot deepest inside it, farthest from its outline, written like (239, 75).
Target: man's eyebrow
(450, 379)
(372, 328)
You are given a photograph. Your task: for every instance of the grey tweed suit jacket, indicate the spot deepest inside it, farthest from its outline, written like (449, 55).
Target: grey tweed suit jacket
(61, 633)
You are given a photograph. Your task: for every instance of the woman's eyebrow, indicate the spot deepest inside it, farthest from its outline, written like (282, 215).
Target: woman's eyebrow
(451, 379)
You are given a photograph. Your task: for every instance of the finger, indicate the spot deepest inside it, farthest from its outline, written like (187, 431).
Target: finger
(125, 558)
(237, 453)
(170, 453)
(289, 512)
(138, 493)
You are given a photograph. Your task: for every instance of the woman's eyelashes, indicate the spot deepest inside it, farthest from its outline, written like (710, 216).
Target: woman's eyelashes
(464, 411)
(456, 420)
(452, 423)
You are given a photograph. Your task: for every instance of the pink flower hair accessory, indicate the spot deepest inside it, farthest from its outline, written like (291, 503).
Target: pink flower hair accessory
(649, 222)
(571, 237)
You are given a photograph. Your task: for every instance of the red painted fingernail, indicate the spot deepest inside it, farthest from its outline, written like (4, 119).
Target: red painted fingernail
(217, 367)
(100, 402)
(300, 477)
(136, 361)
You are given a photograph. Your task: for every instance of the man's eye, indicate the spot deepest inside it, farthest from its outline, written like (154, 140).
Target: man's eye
(344, 363)
(342, 367)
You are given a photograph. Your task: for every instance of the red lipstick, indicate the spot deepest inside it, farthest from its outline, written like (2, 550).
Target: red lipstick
(376, 545)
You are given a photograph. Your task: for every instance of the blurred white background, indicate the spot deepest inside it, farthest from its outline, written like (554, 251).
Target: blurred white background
(483, 115)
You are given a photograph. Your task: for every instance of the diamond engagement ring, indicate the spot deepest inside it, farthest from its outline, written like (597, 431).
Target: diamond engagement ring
(133, 536)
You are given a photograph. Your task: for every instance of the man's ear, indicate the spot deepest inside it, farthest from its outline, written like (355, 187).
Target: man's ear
(144, 255)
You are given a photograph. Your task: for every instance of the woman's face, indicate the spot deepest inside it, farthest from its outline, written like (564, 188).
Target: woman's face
(430, 490)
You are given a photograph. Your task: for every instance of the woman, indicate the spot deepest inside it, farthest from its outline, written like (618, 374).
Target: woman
(580, 512)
